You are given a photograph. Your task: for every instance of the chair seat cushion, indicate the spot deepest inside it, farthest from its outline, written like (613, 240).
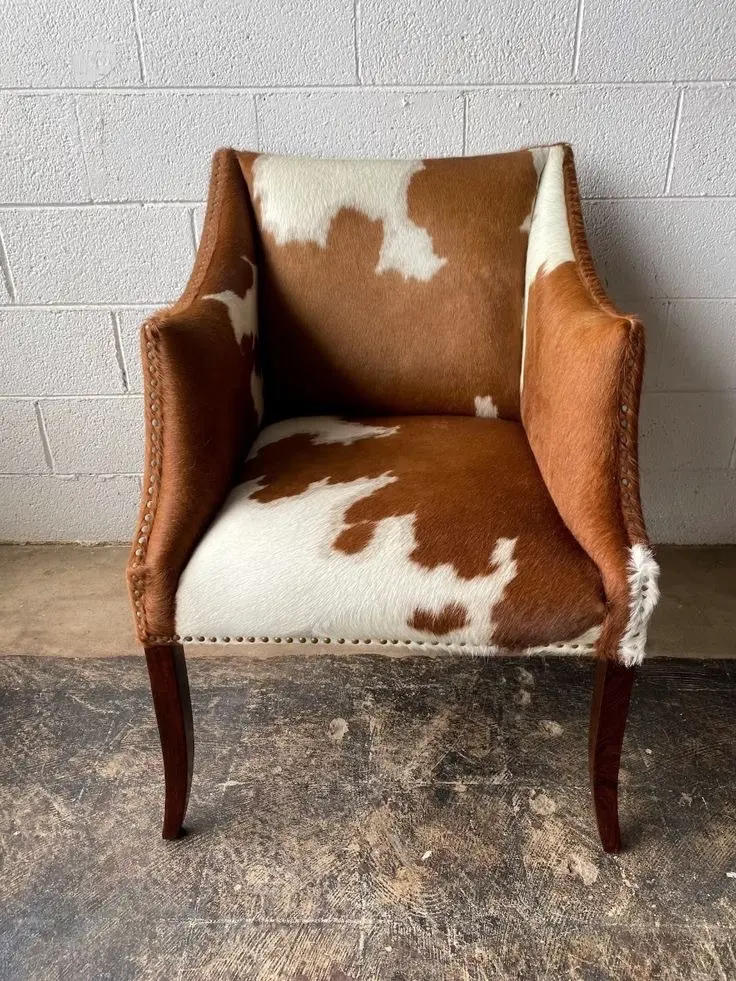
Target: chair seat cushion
(430, 529)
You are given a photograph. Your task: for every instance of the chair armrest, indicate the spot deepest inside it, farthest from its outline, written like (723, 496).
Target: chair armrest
(202, 401)
(581, 382)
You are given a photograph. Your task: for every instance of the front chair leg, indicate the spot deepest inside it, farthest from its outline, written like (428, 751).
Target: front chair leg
(613, 684)
(167, 670)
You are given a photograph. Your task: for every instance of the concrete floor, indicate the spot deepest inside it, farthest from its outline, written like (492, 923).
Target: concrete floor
(359, 818)
(70, 600)
(365, 818)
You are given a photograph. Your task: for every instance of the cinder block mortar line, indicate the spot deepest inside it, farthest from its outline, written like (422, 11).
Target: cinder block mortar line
(665, 197)
(6, 270)
(83, 149)
(578, 35)
(119, 350)
(673, 142)
(404, 87)
(657, 365)
(656, 392)
(356, 42)
(70, 476)
(663, 472)
(193, 227)
(465, 123)
(689, 391)
(97, 205)
(256, 120)
(139, 41)
(70, 397)
(122, 305)
(44, 437)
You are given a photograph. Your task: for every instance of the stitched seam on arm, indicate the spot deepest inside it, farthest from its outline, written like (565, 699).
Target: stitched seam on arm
(580, 247)
(628, 462)
(153, 406)
(210, 234)
(152, 476)
(626, 469)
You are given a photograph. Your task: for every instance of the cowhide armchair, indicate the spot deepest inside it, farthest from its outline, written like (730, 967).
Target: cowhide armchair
(393, 406)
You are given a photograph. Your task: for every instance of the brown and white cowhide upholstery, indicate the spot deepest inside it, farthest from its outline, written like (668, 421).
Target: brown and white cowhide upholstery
(203, 399)
(430, 529)
(392, 286)
(580, 401)
(451, 404)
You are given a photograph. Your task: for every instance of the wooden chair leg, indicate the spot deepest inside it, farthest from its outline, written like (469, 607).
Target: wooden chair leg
(167, 670)
(613, 684)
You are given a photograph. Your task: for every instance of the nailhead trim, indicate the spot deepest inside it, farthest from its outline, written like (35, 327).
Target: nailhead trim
(461, 644)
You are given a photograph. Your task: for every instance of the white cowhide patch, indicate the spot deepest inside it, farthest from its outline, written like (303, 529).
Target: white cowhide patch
(549, 237)
(539, 157)
(485, 407)
(322, 429)
(243, 310)
(299, 197)
(270, 569)
(243, 313)
(549, 233)
(643, 596)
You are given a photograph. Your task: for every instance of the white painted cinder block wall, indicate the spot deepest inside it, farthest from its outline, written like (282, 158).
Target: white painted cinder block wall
(110, 110)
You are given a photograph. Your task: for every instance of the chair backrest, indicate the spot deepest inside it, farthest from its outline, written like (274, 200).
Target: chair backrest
(392, 287)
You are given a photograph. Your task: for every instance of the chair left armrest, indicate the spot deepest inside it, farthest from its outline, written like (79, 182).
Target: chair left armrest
(582, 376)
(202, 402)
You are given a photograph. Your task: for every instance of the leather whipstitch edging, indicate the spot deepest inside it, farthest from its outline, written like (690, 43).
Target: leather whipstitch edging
(208, 240)
(627, 466)
(628, 461)
(152, 477)
(580, 247)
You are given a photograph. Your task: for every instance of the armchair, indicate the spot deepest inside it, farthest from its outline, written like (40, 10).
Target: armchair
(393, 406)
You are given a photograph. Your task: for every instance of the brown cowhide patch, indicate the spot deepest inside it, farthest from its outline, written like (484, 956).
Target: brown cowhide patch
(468, 483)
(451, 617)
(342, 337)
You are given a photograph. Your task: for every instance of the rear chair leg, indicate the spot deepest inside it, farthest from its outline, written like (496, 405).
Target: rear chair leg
(167, 670)
(609, 710)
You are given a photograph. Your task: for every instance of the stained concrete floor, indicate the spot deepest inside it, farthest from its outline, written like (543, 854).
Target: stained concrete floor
(362, 817)
(366, 818)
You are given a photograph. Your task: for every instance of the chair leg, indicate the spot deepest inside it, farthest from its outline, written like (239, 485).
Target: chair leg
(167, 670)
(613, 684)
